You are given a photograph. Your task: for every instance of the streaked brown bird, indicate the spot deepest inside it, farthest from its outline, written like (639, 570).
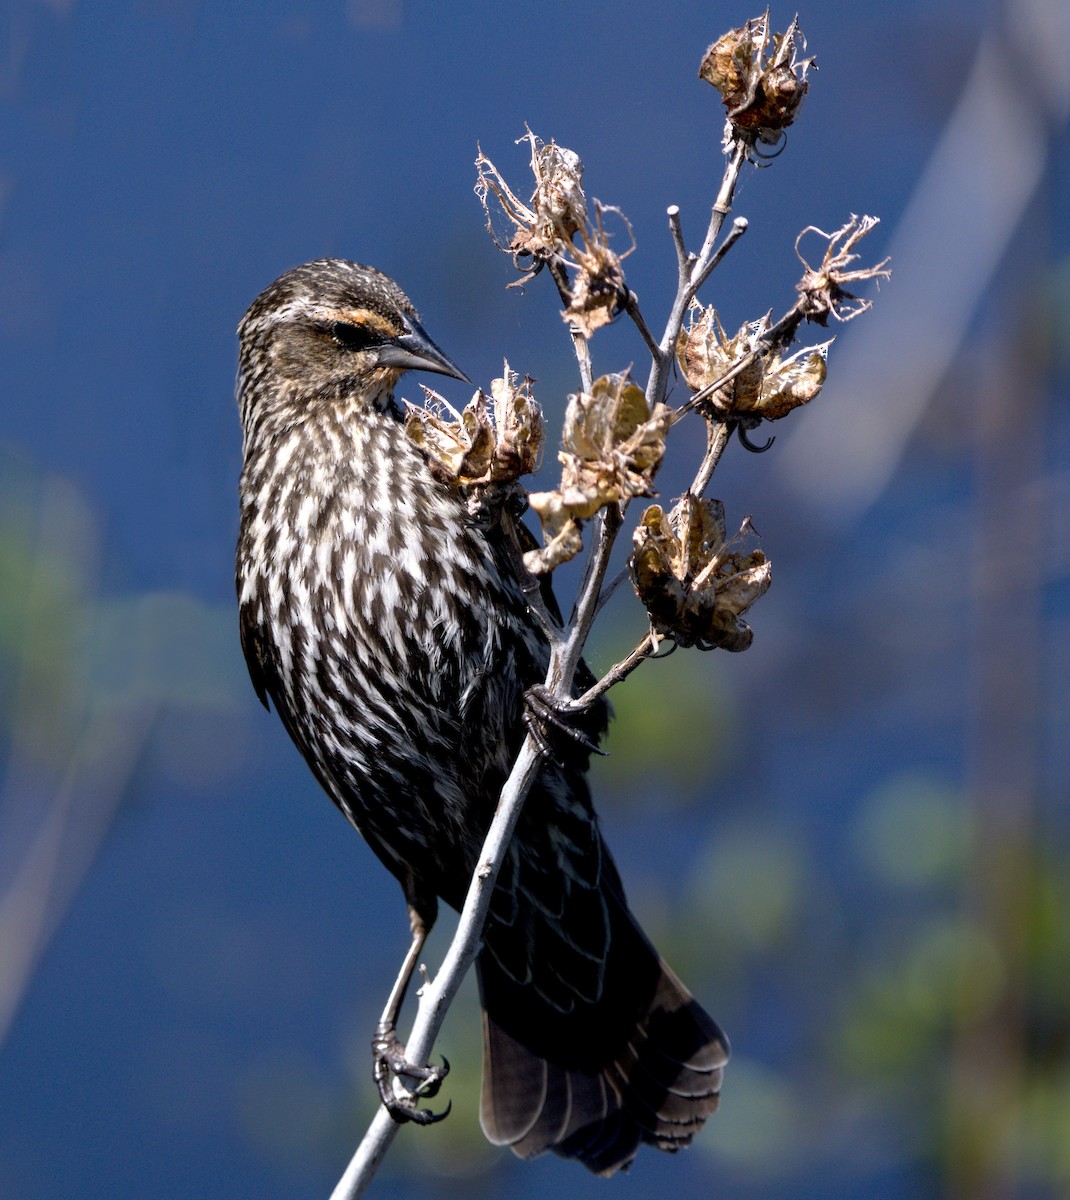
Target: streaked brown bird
(387, 627)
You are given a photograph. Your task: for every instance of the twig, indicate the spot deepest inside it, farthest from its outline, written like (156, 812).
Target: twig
(579, 341)
(530, 585)
(437, 995)
(610, 588)
(718, 433)
(619, 671)
(609, 521)
(631, 307)
(739, 228)
(722, 206)
(694, 271)
(683, 259)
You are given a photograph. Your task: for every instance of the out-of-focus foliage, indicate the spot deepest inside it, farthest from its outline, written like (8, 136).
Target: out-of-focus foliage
(90, 684)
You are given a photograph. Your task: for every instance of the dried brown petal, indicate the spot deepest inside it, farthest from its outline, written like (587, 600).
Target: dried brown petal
(562, 547)
(694, 585)
(792, 382)
(727, 64)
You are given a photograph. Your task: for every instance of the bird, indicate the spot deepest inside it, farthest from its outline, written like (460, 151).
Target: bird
(388, 627)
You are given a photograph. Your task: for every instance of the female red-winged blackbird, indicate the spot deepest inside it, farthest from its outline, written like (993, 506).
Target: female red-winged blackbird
(385, 624)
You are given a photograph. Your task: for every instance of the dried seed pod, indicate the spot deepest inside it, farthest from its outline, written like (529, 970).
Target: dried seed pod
(706, 353)
(768, 386)
(519, 427)
(491, 441)
(554, 228)
(694, 586)
(545, 226)
(598, 289)
(611, 449)
(761, 91)
(458, 445)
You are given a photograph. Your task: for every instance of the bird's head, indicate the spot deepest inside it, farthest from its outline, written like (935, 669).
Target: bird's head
(331, 331)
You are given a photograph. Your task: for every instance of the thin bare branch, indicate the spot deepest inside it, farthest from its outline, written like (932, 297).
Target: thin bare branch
(683, 259)
(691, 279)
(580, 345)
(718, 434)
(739, 228)
(621, 670)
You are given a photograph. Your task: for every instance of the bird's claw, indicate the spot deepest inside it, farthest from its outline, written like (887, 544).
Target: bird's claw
(390, 1063)
(545, 716)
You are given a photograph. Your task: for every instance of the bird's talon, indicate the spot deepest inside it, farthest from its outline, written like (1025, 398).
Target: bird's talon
(544, 716)
(429, 1084)
(402, 1113)
(390, 1063)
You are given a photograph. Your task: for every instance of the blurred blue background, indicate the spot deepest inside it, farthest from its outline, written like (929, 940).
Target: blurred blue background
(851, 840)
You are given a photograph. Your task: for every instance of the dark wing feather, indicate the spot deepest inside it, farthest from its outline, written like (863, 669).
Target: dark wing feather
(257, 655)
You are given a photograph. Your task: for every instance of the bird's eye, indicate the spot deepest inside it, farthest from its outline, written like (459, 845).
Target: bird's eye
(354, 337)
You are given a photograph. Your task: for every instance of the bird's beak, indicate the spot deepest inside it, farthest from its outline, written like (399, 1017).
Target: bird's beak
(414, 351)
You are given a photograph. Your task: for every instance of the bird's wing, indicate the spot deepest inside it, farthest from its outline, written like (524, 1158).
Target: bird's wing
(258, 658)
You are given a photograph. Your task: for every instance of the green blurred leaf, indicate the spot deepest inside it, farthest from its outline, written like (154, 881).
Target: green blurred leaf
(913, 832)
(749, 887)
(671, 728)
(166, 648)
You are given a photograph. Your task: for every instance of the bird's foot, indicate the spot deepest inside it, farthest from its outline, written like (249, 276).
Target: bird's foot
(390, 1063)
(549, 719)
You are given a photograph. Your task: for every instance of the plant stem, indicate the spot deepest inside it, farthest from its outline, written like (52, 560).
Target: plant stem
(694, 270)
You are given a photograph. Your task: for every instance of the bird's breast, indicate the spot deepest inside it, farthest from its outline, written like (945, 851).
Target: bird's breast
(352, 552)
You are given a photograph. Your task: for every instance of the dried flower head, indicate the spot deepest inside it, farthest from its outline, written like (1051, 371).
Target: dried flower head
(546, 231)
(611, 449)
(822, 288)
(557, 210)
(598, 288)
(694, 584)
(519, 424)
(768, 386)
(706, 354)
(761, 78)
(491, 441)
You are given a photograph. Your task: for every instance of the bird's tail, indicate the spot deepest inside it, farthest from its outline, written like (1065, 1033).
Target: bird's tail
(641, 1063)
